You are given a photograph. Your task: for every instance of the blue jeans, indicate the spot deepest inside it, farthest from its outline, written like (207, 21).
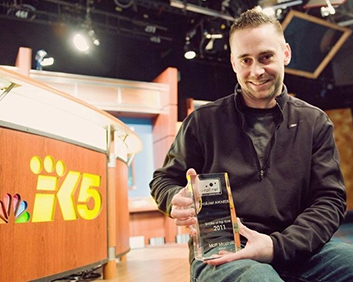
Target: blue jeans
(334, 263)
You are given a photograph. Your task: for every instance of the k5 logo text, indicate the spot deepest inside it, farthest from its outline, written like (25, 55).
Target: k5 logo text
(48, 194)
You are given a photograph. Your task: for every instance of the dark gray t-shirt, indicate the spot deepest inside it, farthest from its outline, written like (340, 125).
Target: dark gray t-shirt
(260, 125)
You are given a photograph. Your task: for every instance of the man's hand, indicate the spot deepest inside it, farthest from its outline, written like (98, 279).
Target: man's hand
(182, 212)
(259, 247)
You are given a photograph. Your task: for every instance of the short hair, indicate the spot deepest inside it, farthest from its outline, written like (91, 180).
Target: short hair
(254, 18)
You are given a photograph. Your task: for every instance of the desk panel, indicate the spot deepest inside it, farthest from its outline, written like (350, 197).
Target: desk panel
(61, 188)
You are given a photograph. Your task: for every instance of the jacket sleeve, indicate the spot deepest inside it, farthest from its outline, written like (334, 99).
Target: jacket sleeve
(326, 205)
(183, 154)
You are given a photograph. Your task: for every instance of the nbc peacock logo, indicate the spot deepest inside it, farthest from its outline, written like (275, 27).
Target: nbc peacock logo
(13, 208)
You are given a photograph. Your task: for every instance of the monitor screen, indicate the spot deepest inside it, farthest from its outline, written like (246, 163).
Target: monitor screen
(313, 42)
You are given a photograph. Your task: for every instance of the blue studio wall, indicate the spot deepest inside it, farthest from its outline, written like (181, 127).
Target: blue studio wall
(143, 164)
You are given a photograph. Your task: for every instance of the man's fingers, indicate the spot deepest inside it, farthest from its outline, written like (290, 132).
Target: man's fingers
(191, 171)
(178, 212)
(182, 210)
(185, 221)
(224, 258)
(243, 230)
(181, 199)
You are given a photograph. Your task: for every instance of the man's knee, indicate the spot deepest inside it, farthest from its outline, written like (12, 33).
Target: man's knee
(250, 270)
(235, 271)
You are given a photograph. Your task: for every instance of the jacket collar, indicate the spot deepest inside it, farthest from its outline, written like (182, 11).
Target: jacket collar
(280, 99)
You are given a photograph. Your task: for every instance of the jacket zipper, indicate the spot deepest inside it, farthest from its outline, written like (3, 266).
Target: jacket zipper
(263, 169)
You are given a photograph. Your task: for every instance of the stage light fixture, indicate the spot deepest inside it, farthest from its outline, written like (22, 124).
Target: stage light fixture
(198, 9)
(47, 62)
(42, 60)
(86, 37)
(279, 4)
(81, 42)
(212, 38)
(189, 55)
(327, 10)
(277, 8)
(124, 4)
(93, 37)
(189, 52)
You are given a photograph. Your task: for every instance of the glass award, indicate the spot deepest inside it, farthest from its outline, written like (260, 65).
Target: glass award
(216, 228)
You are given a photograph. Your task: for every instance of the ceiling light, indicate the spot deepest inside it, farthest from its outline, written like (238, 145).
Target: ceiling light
(124, 4)
(47, 62)
(280, 4)
(189, 51)
(327, 10)
(81, 42)
(199, 9)
(190, 54)
(42, 60)
(86, 37)
(212, 38)
(93, 37)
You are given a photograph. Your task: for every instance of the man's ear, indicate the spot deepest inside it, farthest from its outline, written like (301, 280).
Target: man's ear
(232, 61)
(287, 54)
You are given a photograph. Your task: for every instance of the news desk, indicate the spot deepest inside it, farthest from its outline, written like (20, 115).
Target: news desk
(60, 158)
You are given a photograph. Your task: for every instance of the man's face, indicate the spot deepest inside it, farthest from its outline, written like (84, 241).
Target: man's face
(258, 57)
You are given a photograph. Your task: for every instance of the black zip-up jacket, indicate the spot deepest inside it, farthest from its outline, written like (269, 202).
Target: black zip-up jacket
(298, 197)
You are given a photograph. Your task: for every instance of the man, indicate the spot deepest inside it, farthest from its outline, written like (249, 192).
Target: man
(282, 162)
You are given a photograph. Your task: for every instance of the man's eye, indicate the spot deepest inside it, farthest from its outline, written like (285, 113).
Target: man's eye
(246, 61)
(266, 58)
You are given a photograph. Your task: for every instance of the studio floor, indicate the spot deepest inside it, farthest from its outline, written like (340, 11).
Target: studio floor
(165, 263)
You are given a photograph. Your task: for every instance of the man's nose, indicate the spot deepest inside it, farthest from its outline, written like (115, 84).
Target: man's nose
(257, 69)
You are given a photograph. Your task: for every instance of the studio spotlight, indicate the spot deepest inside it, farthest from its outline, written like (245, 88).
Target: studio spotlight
(189, 52)
(212, 38)
(47, 62)
(93, 37)
(327, 10)
(42, 60)
(86, 37)
(81, 42)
